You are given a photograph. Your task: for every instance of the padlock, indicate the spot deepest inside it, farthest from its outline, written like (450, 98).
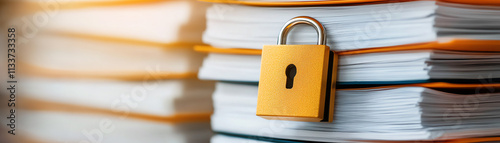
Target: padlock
(297, 82)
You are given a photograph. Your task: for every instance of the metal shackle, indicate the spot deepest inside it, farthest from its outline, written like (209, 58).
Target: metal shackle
(302, 20)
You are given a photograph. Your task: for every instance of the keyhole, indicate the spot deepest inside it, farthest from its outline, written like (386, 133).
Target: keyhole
(290, 73)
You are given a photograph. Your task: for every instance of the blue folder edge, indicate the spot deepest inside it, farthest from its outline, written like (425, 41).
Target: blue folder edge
(260, 138)
(342, 85)
(363, 84)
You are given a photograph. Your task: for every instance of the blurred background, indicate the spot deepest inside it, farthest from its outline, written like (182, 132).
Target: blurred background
(128, 71)
(105, 71)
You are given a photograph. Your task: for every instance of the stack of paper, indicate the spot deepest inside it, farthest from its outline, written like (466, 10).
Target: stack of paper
(478, 24)
(468, 19)
(113, 71)
(401, 32)
(348, 27)
(406, 66)
(409, 112)
(397, 81)
(77, 127)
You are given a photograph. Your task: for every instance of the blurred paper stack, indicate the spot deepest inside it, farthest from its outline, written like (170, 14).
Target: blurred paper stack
(397, 81)
(469, 19)
(112, 71)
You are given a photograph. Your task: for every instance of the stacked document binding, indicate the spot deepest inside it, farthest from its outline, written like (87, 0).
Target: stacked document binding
(115, 71)
(396, 80)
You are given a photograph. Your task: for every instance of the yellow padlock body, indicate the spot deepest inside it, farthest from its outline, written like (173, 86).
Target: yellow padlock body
(306, 100)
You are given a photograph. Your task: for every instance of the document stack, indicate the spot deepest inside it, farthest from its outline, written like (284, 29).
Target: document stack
(112, 71)
(396, 80)
(467, 19)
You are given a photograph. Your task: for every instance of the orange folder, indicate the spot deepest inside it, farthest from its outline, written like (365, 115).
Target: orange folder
(474, 2)
(303, 3)
(443, 44)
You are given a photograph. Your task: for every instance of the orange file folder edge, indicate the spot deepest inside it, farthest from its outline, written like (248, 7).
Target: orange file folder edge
(442, 44)
(302, 3)
(474, 2)
(41, 105)
(341, 2)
